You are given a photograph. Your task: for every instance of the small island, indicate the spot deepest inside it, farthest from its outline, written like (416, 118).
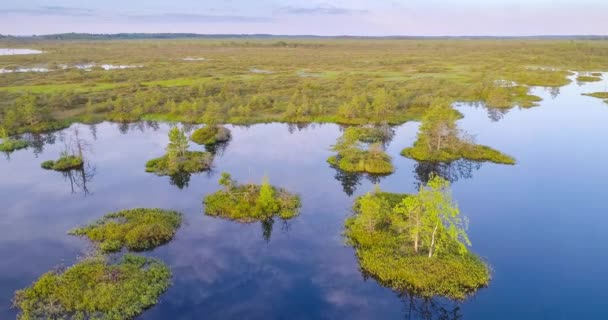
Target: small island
(589, 78)
(360, 149)
(95, 289)
(250, 203)
(65, 162)
(599, 95)
(9, 144)
(440, 140)
(416, 243)
(179, 158)
(210, 135)
(136, 229)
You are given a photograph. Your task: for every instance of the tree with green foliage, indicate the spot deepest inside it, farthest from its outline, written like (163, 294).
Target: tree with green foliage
(434, 218)
(178, 143)
(227, 182)
(266, 201)
(438, 129)
(417, 243)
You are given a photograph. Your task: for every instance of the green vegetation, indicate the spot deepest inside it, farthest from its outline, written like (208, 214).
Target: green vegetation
(601, 95)
(178, 159)
(382, 80)
(250, 203)
(8, 144)
(210, 135)
(416, 243)
(588, 79)
(439, 140)
(361, 150)
(137, 229)
(64, 163)
(95, 289)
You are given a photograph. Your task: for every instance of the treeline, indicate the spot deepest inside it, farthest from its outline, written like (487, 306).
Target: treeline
(132, 36)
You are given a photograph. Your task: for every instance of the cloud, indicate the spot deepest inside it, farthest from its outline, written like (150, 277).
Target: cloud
(53, 11)
(168, 17)
(321, 10)
(193, 17)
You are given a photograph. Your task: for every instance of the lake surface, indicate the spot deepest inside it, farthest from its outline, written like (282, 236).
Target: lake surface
(541, 224)
(11, 52)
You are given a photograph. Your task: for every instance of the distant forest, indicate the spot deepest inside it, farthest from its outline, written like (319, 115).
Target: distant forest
(133, 36)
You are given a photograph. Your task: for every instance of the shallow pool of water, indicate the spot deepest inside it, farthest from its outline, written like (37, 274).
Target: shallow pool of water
(541, 224)
(11, 52)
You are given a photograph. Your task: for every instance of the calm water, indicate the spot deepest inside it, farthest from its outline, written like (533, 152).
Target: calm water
(10, 52)
(541, 224)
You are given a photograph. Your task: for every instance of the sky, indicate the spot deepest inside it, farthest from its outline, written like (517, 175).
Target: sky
(299, 17)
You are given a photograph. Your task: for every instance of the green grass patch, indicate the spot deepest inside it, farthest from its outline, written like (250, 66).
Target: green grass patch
(136, 229)
(588, 79)
(10, 145)
(384, 250)
(191, 161)
(64, 163)
(466, 151)
(95, 289)
(210, 135)
(601, 95)
(251, 203)
(363, 162)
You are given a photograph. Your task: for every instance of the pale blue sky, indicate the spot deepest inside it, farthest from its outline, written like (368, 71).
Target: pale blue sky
(330, 17)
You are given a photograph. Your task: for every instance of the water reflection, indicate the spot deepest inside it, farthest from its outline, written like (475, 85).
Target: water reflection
(417, 308)
(451, 171)
(181, 179)
(141, 126)
(80, 178)
(351, 180)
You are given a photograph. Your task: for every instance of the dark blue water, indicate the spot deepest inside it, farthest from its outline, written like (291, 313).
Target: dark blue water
(540, 224)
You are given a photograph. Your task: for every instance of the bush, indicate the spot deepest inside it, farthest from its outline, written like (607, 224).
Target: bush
(137, 229)
(210, 135)
(64, 163)
(95, 289)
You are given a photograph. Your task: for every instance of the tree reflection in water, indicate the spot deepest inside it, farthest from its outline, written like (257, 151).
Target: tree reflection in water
(351, 180)
(418, 308)
(80, 178)
(451, 171)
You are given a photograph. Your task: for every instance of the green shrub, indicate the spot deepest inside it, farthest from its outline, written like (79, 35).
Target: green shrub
(250, 203)
(136, 229)
(64, 163)
(95, 289)
(210, 135)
